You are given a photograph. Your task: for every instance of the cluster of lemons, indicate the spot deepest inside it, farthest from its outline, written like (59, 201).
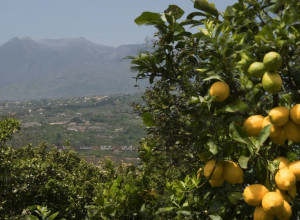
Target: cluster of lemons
(285, 124)
(268, 71)
(275, 203)
(217, 172)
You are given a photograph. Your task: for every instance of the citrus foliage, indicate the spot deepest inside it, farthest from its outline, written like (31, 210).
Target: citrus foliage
(203, 157)
(188, 126)
(43, 175)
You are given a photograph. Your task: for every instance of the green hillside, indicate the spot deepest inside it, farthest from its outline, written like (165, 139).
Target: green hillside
(79, 122)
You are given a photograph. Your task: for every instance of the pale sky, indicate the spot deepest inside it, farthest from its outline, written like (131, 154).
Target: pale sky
(106, 22)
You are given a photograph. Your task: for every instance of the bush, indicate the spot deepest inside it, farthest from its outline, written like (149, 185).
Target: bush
(43, 175)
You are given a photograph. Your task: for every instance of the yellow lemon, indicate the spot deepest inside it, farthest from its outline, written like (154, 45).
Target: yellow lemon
(275, 130)
(279, 116)
(280, 138)
(288, 195)
(295, 168)
(216, 182)
(295, 114)
(253, 125)
(286, 212)
(291, 193)
(272, 203)
(256, 69)
(213, 170)
(272, 61)
(285, 178)
(292, 131)
(283, 162)
(282, 193)
(260, 214)
(253, 194)
(232, 172)
(220, 90)
(271, 82)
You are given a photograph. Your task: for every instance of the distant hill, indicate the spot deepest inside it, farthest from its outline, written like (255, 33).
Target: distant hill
(31, 69)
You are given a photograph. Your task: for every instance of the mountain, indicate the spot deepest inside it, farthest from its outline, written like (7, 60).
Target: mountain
(52, 68)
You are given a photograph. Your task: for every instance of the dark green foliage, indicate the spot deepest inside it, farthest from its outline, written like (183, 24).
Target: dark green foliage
(42, 175)
(125, 196)
(8, 126)
(186, 128)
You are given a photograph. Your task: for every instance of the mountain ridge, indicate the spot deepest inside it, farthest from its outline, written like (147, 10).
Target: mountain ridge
(65, 67)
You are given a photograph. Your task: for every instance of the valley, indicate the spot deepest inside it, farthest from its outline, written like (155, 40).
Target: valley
(95, 126)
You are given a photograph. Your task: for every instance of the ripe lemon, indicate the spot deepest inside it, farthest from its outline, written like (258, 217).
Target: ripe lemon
(280, 138)
(272, 61)
(220, 90)
(282, 193)
(253, 125)
(271, 82)
(275, 130)
(286, 212)
(279, 116)
(295, 114)
(288, 195)
(216, 182)
(256, 69)
(232, 172)
(295, 168)
(283, 162)
(253, 194)
(285, 178)
(260, 214)
(292, 131)
(272, 203)
(291, 193)
(210, 167)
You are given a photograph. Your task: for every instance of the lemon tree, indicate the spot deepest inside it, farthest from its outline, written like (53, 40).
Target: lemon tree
(224, 89)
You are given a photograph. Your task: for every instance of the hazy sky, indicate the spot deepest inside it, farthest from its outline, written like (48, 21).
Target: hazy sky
(107, 22)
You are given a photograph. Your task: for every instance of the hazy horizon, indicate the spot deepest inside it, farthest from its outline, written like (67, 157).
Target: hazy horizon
(109, 23)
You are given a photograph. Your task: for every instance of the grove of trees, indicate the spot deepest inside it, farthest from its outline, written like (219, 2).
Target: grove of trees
(188, 125)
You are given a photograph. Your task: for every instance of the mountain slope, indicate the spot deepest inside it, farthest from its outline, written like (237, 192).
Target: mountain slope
(66, 67)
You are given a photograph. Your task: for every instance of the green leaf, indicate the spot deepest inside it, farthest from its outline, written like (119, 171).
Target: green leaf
(32, 217)
(179, 185)
(273, 166)
(238, 134)
(187, 213)
(238, 106)
(243, 161)
(148, 119)
(264, 134)
(292, 156)
(235, 197)
(165, 209)
(229, 12)
(99, 200)
(53, 216)
(265, 34)
(175, 11)
(213, 77)
(209, 8)
(194, 14)
(213, 148)
(149, 18)
(204, 156)
(215, 217)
